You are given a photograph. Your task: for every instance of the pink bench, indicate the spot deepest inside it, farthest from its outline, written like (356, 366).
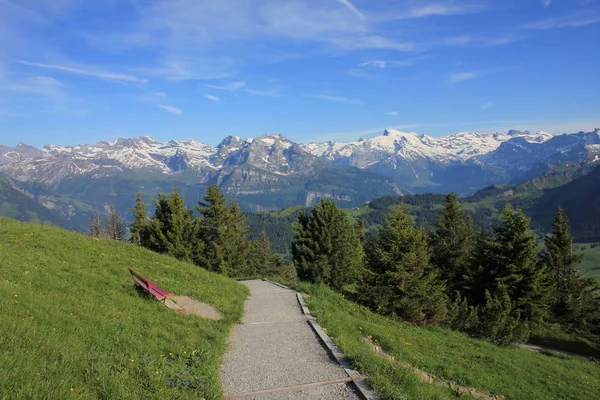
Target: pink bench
(148, 286)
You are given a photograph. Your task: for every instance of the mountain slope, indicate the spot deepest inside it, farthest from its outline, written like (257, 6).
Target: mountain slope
(73, 323)
(17, 204)
(271, 172)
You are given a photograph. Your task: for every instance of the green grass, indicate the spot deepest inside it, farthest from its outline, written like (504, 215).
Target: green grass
(73, 324)
(448, 355)
(559, 338)
(590, 265)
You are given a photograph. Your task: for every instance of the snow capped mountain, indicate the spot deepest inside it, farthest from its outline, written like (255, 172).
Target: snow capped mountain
(412, 146)
(463, 162)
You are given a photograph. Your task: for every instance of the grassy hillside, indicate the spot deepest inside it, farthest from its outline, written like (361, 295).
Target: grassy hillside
(447, 355)
(71, 321)
(590, 265)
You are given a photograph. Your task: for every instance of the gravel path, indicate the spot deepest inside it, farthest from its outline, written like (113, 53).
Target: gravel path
(274, 353)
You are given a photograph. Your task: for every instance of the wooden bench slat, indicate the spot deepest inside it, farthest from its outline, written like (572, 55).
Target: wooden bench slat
(149, 286)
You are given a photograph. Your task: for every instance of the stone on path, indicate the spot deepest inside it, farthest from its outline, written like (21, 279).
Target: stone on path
(275, 354)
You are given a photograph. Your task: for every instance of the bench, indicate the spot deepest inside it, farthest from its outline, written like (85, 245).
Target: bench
(148, 286)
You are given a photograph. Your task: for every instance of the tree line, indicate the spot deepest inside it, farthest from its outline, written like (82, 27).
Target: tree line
(494, 284)
(213, 235)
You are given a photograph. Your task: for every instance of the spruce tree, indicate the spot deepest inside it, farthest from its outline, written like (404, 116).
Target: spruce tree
(509, 259)
(139, 227)
(326, 248)
(223, 232)
(575, 299)
(95, 228)
(172, 228)
(262, 260)
(115, 227)
(452, 241)
(400, 281)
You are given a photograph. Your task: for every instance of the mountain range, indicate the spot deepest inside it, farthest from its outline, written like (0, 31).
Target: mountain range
(272, 172)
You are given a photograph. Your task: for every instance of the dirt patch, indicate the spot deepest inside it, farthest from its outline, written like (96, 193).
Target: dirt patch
(187, 306)
(425, 377)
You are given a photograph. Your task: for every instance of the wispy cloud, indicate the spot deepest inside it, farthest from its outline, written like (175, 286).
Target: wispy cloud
(44, 86)
(337, 99)
(352, 8)
(482, 41)
(264, 93)
(392, 113)
(231, 87)
(462, 76)
(172, 109)
(212, 97)
(432, 10)
(487, 105)
(572, 21)
(546, 3)
(383, 64)
(87, 72)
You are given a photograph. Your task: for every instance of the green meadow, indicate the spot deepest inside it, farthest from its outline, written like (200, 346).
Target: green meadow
(448, 355)
(73, 324)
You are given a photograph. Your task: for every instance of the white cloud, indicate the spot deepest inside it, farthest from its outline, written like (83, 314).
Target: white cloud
(264, 93)
(392, 113)
(231, 87)
(463, 76)
(352, 8)
(86, 72)
(485, 41)
(432, 10)
(572, 21)
(383, 64)
(172, 109)
(212, 97)
(337, 99)
(487, 105)
(43, 86)
(546, 3)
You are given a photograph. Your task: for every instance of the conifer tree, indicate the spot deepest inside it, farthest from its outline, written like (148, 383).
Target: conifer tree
(172, 228)
(452, 242)
(400, 282)
(326, 248)
(115, 227)
(509, 258)
(139, 227)
(95, 228)
(262, 260)
(575, 299)
(223, 232)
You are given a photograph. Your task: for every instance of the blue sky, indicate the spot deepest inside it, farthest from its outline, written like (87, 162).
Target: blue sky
(80, 71)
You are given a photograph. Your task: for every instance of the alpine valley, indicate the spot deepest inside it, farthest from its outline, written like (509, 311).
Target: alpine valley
(63, 184)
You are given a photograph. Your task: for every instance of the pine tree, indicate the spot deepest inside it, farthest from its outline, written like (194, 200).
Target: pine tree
(139, 227)
(499, 319)
(223, 232)
(400, 282)
(509, 259)
(326, 248)
(262, 260)
(95, 226)
(452, 241)
(172, 228)
(575, 299)
(115, 227)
